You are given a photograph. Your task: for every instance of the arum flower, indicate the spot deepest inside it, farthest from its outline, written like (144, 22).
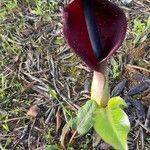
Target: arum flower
(95, 29)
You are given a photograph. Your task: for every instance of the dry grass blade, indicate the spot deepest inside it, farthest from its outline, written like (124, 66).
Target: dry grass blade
(136, 67)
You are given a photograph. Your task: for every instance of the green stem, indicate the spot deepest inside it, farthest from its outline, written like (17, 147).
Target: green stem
(100, 88)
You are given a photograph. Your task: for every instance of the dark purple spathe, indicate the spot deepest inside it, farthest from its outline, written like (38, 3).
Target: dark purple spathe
(111, 23)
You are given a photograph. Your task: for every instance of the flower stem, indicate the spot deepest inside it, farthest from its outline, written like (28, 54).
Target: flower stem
(100, 88)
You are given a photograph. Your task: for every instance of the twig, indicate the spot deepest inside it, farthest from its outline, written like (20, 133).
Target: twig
(34, 78)
(137, 67)
(24, 134)
(49, 115)
(58, 119)
(1, 147)
(144, 127)
(74, 134)
(39, 72)
(147, 122)
(13, 119)
(57, 90)
(29, 137)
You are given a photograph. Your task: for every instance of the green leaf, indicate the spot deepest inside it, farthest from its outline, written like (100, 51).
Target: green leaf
(116, 102)
(52, 147)
(73, 123)
(53, 93)
(112, 124)
(85, 117)
(5, 126)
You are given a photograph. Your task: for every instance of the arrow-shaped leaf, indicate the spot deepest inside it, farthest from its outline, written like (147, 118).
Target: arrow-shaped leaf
(112, 124)
(85, 117)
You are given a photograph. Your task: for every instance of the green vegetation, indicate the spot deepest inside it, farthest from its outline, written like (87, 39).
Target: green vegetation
(141, 30)
(111, 119)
